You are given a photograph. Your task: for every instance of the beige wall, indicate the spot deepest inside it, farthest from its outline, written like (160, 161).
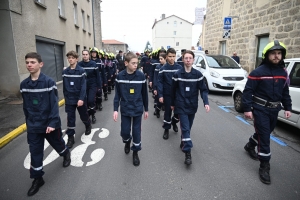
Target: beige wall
(28, 19)
(280, 19)
(114, 48)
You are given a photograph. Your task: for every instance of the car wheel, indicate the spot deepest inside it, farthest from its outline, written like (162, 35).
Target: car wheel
(238, 104)
(205, 81)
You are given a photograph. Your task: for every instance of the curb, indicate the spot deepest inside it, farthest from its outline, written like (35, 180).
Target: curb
(14, 133)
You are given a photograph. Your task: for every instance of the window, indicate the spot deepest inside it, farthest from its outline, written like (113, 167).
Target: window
(88, 24)
(295, 75)
(174, 33)
(41, 3)
(78, 49)
(61, 8)
(75, 13)
(84, 47)
(167, 22)
(262, 42)
(83, 19)
(175, 23)
(180, 22)
(177, 43)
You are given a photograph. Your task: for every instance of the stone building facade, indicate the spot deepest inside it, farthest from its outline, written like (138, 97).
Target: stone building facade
(114, 46)
(254, 24)
(49, 27)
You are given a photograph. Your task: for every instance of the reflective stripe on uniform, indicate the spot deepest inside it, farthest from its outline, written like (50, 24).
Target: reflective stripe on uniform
(155, 63)
(126, 140)
(39, 90)
(186, 139)
(67, 75)
(173, 70)
(37, 168)
(128, 81)
(90, 67)
(71, 127)
(136, 144)
(63, 151)
(266, 77)
(167, 122)
(254, 139)
(264, 154)
(156, 69)
(187, 80)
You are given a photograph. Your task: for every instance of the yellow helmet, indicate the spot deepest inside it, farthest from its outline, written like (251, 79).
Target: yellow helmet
(275, 45)
(94, 49)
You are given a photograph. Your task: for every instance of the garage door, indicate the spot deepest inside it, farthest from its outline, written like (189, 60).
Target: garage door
(52, 56)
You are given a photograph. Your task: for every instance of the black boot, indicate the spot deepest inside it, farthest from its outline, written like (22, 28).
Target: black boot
(105, 97)
(188, 158)
(71, 141)
(93, 119)
(112, 87)
(127, 148)
(158, 114)
(100, 107)
(175, 127)
(251, 151)
(181, 145)
(36, 184)
(264, 172)
(166, 134)
(136, 160)
(67, 159)
(88, 129)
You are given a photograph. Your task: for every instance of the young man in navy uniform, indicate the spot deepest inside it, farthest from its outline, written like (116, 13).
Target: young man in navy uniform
(266, 89)
(132, 97)
(187, 82)
(164, 91)
(93, 82)
(40, 106)
(74, 89)
(180, 60)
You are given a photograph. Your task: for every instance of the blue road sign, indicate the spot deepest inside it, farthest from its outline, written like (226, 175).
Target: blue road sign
(168, 47)
(199, 48)
(227, 23)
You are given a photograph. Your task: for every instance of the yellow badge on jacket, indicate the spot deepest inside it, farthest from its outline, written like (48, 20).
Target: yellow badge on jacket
(131, 91)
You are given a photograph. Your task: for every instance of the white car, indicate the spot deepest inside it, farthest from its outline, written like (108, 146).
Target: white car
(293, 68)
(220, 72)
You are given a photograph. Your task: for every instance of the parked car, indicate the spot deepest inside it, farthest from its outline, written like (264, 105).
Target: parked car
(293, 68)
(220, 72)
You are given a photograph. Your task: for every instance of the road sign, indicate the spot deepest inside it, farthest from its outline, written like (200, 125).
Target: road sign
(199, 48)
(226, 33)
(168, 47)
(227, 23)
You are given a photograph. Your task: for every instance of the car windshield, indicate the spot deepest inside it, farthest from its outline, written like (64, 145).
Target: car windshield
(220, 61)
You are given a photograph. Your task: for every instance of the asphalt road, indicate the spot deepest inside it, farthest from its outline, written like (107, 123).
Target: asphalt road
(100, 169)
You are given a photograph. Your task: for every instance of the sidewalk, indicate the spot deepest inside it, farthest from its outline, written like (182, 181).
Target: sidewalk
(12, 116)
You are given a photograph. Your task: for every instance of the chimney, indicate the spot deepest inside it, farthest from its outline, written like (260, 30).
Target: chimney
(163, 16)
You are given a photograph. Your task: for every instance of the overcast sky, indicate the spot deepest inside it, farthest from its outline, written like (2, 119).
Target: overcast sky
(135, 18)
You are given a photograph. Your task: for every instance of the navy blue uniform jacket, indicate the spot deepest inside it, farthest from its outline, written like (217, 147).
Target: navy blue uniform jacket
(100, 66)
(92, 73)
(40, 104)
(151, 71)
(155, 76)
(180, 62)
(131, 93)
(268, 83)
(165, 75)
(185, 91)
(74, 85)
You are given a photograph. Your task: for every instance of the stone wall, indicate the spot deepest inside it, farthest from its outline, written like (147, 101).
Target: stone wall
(280, 19)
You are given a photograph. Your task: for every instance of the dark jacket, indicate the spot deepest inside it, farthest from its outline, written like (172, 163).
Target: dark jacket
(40, 104)
(185, 91)
(236, 58)
(92, 73)
(100, 65)
(131, 93)
(74, 85)
(165, 75)
(154, 63)
(121, 64)
(145, 63)
(180, 62)
(155, 76)
(269, 83)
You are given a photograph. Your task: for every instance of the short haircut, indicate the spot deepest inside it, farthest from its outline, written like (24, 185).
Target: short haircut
(183, 50)
(188, 52)
(171, 50)
(206, 51)
(34, 55)
(72, 53)
(129, 56)
(85, 50)
(164, 55)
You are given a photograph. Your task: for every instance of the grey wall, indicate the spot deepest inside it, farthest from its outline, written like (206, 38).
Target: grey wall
(9, 78)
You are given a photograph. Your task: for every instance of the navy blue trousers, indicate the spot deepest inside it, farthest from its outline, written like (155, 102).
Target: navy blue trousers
(36, 149)
(186, 122)
(168, 114)
(99, 96)
(264, 124)
(71, 117)
(91, 98)
(136, 131)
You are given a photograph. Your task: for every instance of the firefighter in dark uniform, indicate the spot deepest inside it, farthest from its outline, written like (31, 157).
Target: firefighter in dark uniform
(164, 91)
(107, 67)
(103, 75)
(266, 89)
(179, 60)
(40, 106)
(132, 97)
(74, 89)
(185, 91)
(145, 61)
(115, 70)
(93, 82)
